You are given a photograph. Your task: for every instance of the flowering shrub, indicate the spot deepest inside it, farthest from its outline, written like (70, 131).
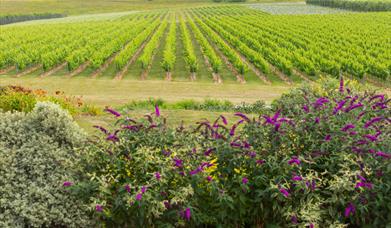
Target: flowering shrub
(17, 98)
(37, 165)
(323, 163)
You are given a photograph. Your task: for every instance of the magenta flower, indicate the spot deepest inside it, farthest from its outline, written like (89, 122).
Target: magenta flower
(224, 119)
(297, 178)
(208, 151)
(244, 180)
(241, 115)
(327, 138)
(312, 225)
(178, 162)
(381, 96)
(372, 121)
(372, 138)
(347, 127)
(260, 162)
(306, 109)
(352, 107)
(167, 204)
(294, 160)
(157, 175)
(339, 107)
(143, 189)
(99, 208)
(320, 102)
(67, 184)
(209, 178)
(233, 128)
(102, 129)
(187, 214)
(194, 172)
(127, 188)
(284, 192)
(350, 210)
(317, 120)
(382, 154)
(139, 197)
(294, 219)
(113, 112)
(364, 184)
(157, 111)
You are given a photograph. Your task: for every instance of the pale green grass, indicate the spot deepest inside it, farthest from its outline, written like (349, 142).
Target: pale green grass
(110, 92)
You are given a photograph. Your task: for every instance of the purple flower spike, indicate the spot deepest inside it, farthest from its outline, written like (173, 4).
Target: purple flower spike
(102, 129)
(127, 188)
(194, 172)
(260, 162)
(167, 204)
(241, 115)
(157, 111)
(327, 138)
(306, 109)
(244, 180)
(382, 154)
(347, 127)
(372, 138)
(139, 197)
(209, 178)
(359, 105)
(178, 162)
(350, 210)
(99, 208)
(312, 225)
(284, 192)
(157, 175)
(143, 189)
(224, 119)
(113, 112)
(233, 128)
(208, 151)
(297, 178)
(339, 107)
(372, 121)
(187, 214)
(294, 219)
(67, 184)
(294, 160)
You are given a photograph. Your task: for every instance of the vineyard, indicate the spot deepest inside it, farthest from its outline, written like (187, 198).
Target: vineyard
(217, 44)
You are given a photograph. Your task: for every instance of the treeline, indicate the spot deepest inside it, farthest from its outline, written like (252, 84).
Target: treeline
(8, 19)
(354, 5)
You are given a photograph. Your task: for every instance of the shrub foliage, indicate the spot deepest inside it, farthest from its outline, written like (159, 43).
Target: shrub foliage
(37, 160)
(318, 160)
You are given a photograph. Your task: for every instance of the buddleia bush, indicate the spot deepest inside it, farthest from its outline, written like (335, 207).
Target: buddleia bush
(37, 165)
(320, 159)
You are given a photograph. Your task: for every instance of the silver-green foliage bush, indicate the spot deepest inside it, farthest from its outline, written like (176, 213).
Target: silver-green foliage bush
(36, 157)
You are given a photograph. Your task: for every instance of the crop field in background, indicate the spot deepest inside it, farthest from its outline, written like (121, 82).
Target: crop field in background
(226, 44)
(294, 8)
